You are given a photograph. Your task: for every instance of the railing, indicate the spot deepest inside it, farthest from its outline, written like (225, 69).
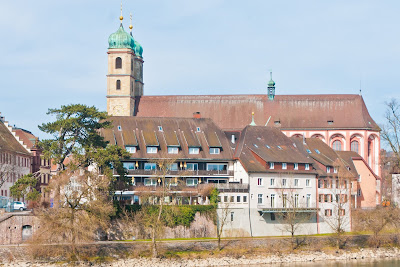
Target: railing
(239, 188)
(181, 172)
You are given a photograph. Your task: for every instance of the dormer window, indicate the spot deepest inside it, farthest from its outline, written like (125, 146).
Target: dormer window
(160, 128)
(119, 128)
(255, 145)
(308, 151)
(328, 169)
(152, 149)
(194, 150)
(279, 147)
(330, 122)
(307, 167)
(267, 146)
(284, 166)
(198, 129)
(317, 151)
(130, 149)
(271, 165)
(296, 166)
(334, 170)
(215, 150)
(173, 150)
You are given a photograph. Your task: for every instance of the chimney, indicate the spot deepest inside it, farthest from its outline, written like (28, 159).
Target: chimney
(197, 115)
(233, 139)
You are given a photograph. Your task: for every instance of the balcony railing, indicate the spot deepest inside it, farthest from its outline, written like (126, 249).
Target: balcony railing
(181, 172)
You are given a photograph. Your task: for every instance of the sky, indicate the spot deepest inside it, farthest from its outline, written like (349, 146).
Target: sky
(53, 53)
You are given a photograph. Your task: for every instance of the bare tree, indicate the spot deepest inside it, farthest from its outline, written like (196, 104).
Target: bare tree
(291, 217)
(391, 130)
(339, 220)
(81, 207)
(221, 219)
(8, 166)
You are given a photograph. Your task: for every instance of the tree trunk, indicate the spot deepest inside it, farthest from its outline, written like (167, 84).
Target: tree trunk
(153, 243)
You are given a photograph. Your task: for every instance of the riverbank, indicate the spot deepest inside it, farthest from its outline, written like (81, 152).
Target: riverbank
(302, 257)
(235, 252)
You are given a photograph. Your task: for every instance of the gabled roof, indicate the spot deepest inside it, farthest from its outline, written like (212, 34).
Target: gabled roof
(233, 112)
(9, 142)
(164, 132)
(269, 144)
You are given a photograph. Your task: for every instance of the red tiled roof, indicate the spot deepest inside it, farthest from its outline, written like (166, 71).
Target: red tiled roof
(232, 112)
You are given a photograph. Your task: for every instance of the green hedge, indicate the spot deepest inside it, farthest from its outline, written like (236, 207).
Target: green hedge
(172, 215)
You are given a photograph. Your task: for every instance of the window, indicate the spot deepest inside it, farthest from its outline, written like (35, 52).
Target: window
(283, 182)
(238, 199)
(129, 165)
(272, 216)
(272, 182)
(342, 212)
(284, 200)
(198, 129)
(118, 63)
(232, 199)
(150, 166)
(118, 85)
(151, 149)
(255, 145)
(172, 167)
(192, 166)
(359, 192)
(317, 151)
(271, 165)
(160, 128)
(131, 64)
(260, 181)
(192, 182)
(354, 146)
(279, 147)
(217, 167)
(320, 185)
(272, 200)
(337, 145)
(296, 200)
(284, 166)
(194, 150)
(225, 199)
(130, 149)
(308, 201)
(321, 198)
(307, 182)
(231, 216)
(244, 198)
(296, 182)
(215, 150)
(334, 170)
(150, 181)
(328, 169)
(307, 166)
(296, 166)
(171, 181)
(328, 213)
(308, 151)
(359, 178)
(173, 150)
(260, 199)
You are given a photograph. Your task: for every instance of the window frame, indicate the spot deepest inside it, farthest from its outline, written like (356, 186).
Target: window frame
(172, 150)
(151, 150)
(131, 149)
(214, 150)
(194, 150)
(284, 166)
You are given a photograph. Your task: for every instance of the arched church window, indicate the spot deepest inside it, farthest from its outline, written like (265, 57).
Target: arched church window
(355, 146)
(118, 86)
(118, 63)
(131, 64)
(337, 145)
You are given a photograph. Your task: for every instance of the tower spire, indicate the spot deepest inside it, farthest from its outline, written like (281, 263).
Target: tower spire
(252, 123)
(130, 25)
(271, 87)
(121, 17)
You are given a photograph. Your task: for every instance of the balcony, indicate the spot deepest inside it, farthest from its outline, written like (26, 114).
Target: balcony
(238, 188)
(200, 173)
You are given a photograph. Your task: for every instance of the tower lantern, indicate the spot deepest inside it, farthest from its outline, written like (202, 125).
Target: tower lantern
(271, 88)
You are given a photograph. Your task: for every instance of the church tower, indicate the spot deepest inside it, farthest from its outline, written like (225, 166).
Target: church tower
(125, 72)
(271, 88)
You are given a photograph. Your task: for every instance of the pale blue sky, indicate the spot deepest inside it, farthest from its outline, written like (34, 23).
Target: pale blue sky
(54, 52)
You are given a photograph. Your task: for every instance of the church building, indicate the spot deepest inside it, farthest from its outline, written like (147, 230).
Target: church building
(340, 120)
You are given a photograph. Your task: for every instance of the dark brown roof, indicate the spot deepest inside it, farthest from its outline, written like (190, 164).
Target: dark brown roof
(181, 132)
(269, 144)
(9, 143)
(232, 112)
(26, 137)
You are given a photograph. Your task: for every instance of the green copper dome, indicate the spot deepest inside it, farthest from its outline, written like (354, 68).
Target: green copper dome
(138, 49)
(120, 39)
(271, 83)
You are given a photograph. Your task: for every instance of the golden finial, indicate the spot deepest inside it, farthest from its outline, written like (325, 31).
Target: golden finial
(130, 26)
(252, 113)
(121, 17)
